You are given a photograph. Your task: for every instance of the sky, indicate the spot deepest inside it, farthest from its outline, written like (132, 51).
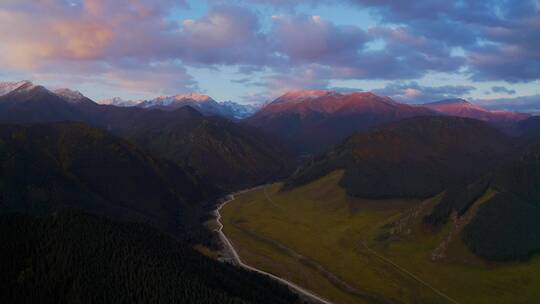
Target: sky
(251, 51)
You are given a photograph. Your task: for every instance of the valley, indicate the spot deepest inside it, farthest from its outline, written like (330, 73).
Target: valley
(269, 152)
(379, 248)
(392, 210)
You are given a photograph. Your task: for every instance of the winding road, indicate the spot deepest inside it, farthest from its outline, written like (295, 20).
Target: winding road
(235, 258)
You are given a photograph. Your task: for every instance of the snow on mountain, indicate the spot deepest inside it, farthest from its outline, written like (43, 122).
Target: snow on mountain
(70, 95)
(8, 87)
(178, 101)
(119, 102)
(202, 103)
(240, 111)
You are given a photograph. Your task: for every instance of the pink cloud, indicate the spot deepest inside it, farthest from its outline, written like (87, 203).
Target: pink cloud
(309, 38)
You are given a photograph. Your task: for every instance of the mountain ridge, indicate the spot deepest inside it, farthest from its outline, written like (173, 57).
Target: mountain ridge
(314, 124)
(413, 158)
(505, 120)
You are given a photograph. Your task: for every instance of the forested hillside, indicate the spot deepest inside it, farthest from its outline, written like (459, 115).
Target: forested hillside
(508, 226)
(413, 158)
(49, 167)
(73, 257)
(232, 155)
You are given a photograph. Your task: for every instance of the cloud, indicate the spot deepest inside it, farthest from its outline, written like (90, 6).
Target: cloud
(164, 78)
(227, 35)
(499, 39)
(304, 77)
(412, 92)
(527, 104)
(123, 42)
(282, 4)
(310, 39)
(135, 40)
(345, 90)
(500, 89)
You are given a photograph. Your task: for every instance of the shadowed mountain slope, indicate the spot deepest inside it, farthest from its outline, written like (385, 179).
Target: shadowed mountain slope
(413, 158)
(508, 226)
(49, 167)
(232, 155)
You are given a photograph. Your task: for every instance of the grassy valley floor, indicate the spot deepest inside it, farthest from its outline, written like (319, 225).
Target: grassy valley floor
(364, 251)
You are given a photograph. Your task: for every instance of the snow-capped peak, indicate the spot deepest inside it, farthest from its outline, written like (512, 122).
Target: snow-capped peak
(119, 102)
(8, 87)
(179, 99)
(193, 96)
(70, 95)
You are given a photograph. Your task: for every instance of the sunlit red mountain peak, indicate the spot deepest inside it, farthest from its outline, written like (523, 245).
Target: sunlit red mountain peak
(315, 120)
(303, 95)
(331, 102)
(464, 108)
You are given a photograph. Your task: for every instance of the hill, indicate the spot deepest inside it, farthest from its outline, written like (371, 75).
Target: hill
(529, 128)
(507, 227)
(504, 120)
(29, 103)
(74, 257)
(313, 121)
(50, 167)
(230, 154)
(412, 158)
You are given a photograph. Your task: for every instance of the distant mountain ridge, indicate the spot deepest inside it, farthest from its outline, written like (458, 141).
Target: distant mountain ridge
(234, 155)
(463, 108)
(203, 103)
(314, 120)
(119, 102)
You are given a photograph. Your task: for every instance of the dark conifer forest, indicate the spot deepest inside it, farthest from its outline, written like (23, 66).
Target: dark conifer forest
(75, 257)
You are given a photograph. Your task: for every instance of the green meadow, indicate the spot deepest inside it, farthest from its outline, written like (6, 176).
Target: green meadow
(350, 250)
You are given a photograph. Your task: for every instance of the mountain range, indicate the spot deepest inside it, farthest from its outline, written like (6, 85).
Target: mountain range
(94, 206)
(313, 121)
(72, 169)
(217, 147)
(203, 103)
(462, 108)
